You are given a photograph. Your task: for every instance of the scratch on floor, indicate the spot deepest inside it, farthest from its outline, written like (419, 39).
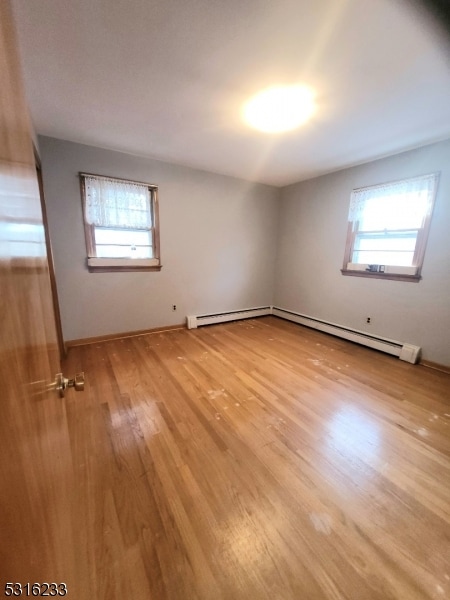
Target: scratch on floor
(213, 394)
(314, 361)
(322, 522)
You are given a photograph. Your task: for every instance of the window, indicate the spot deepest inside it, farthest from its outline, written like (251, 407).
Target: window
(388, 228)
(121, 224)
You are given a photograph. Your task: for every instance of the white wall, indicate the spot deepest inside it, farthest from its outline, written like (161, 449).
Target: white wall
(311, 240)
(218, 243)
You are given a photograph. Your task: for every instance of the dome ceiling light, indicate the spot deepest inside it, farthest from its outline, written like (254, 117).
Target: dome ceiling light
(279, 109)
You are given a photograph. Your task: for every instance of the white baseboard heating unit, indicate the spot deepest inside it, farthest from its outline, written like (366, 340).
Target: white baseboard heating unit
(212, 318)
(406, 352)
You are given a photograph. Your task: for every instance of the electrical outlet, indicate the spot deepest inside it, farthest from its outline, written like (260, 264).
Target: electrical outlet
(174, 307)
(368, 320)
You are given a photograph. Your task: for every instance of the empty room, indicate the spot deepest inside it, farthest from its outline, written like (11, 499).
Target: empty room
(225, 299)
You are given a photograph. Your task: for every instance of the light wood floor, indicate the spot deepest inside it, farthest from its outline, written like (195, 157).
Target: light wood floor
(258, 460)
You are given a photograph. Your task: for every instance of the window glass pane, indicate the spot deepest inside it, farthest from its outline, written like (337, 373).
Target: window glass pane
(386, 244)
(117, 243)
(385, 248)
(369, 257)
(122, 236)
(113, 251)
(124, 252)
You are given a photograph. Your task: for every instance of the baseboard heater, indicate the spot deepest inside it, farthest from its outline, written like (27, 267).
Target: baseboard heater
(406, 352)
(212, 318)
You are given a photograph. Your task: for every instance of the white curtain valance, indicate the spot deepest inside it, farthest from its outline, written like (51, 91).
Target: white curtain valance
(117, 203)
(401, 204)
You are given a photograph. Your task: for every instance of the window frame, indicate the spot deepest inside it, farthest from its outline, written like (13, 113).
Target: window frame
(97, 264)
(392, 272)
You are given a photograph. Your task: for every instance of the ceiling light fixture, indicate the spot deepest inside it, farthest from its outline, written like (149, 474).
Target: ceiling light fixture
(279, 109)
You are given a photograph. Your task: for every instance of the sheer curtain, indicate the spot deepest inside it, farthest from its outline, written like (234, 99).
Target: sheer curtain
(117, 204)
(393, 206)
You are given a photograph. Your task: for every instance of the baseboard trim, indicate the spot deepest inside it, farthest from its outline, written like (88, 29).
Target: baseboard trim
(436, 366)
(120, 336)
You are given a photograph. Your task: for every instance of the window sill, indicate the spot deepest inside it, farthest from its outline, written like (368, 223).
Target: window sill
(112, 265)
(378, 275)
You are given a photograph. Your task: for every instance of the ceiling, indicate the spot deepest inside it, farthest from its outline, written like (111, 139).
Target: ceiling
(167, 79)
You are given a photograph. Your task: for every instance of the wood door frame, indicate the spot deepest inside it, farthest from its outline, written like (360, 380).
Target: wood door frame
(51, 265)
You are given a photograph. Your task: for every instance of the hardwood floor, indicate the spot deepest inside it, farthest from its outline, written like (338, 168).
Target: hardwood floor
(258, 460)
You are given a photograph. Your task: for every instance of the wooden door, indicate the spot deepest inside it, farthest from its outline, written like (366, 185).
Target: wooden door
(35, 461)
